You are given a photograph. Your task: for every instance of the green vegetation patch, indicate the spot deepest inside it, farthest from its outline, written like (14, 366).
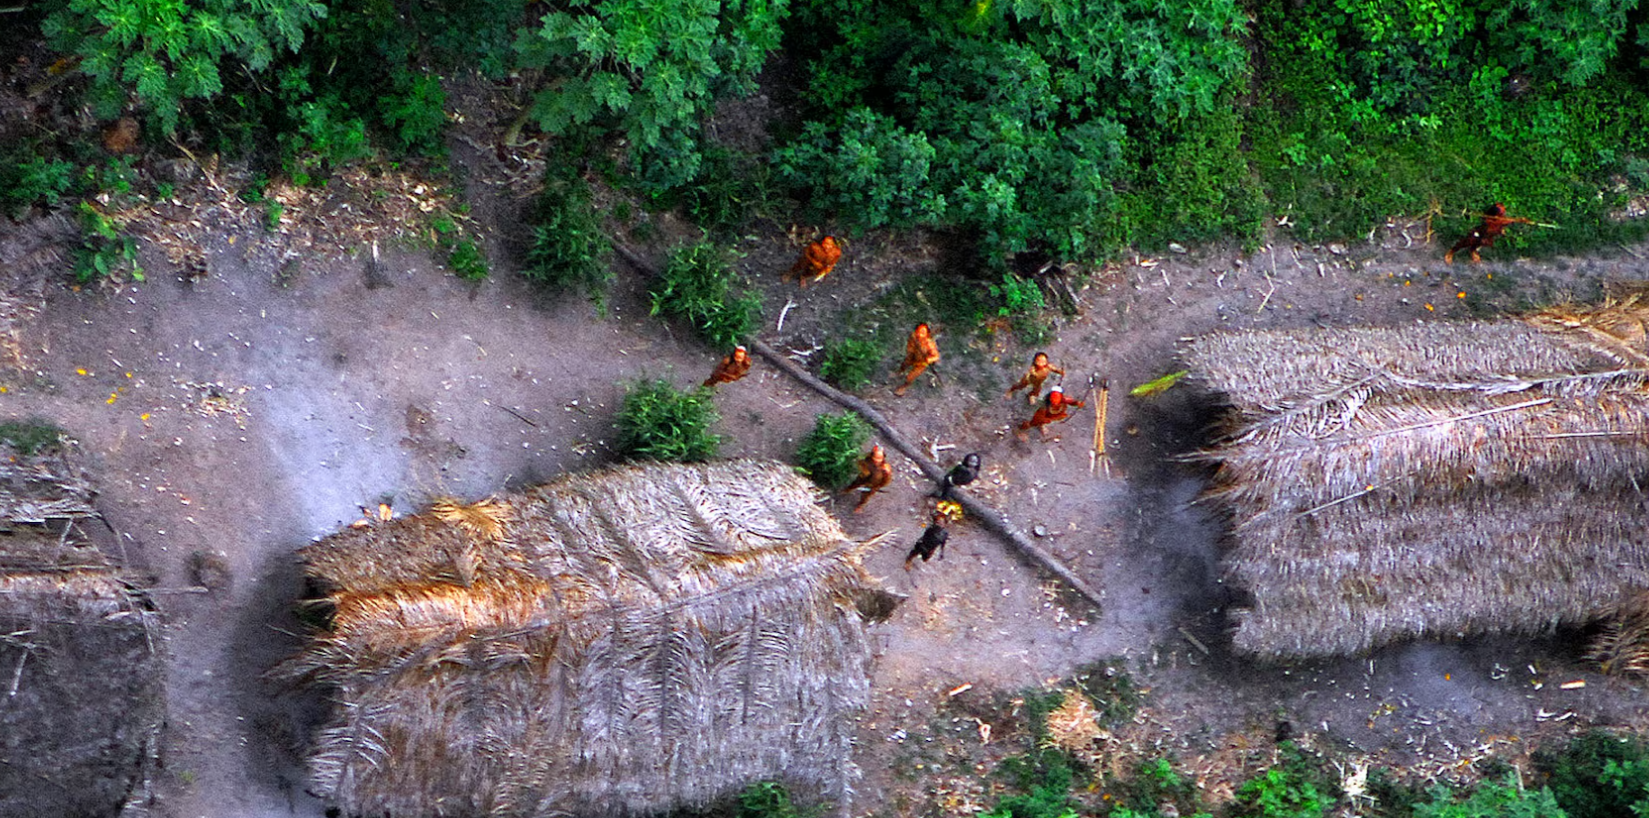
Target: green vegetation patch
(659, 422)
(28, 437)
(830, 452)
(700, 286)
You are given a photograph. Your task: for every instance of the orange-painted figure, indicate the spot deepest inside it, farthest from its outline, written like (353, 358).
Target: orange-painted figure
(1034, 377)
(1483, 235)
(920, 353)
(816, 262)
(874, 475)
(1056, 408)
(731, 368)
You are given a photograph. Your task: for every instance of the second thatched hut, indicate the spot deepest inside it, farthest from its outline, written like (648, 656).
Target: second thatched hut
(1432, 479)
(615, 643)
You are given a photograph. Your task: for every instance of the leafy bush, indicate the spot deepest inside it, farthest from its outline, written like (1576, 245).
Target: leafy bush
(830, 453)
(1010, 120)
(27, 437)
(569, 252)
(729, 189)
(1492, 799)
(650, 70)
(466, 260)
(35, 179)
(1280, 793)
(104, 250)
(700, 287)
(767, 799)
(1045, 776)
(168, 52)
(1598, 775)
(659, 422)
(849, 363)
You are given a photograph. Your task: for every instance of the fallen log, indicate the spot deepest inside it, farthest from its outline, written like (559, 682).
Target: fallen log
(990, 518)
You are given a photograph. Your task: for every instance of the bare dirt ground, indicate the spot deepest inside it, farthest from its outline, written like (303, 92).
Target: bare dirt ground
(244, 412)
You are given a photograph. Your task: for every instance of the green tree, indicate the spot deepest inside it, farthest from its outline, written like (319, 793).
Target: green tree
(167, 51)
(648, 69)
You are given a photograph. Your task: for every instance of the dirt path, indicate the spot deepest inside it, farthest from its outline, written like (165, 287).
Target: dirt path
(246, 413)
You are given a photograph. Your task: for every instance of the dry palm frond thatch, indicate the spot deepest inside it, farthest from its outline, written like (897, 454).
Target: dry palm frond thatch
(620, 642)
(1432, 479)
(81, 701)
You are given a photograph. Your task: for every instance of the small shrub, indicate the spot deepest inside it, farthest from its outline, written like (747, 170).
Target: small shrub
(659, 422)
(104, 250)
(700, 287)
(1280, 793)
(1046, 777)
(27, 437)
(767, 799)
(569, 252)
(1598, 775)
(36, 179)
(1493, 799)
(849, 363)
(830, 453)
(466, 261)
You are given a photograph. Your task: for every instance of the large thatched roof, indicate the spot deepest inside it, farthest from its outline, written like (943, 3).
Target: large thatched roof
(613, 643)
(81, 703)
(1432, 479)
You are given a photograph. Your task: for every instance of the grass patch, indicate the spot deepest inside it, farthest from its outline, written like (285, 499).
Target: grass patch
(659, 422)
(830, 452)
(28, 437)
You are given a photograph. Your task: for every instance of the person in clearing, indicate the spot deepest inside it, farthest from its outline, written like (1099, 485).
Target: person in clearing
(920, 353)
(1495, 221)
(817, 260)
(874, 475)
(1057, 407)
(932, 540)
(1034, 378)
(731, 368)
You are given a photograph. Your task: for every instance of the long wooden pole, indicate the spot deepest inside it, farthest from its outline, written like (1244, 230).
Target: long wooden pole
(988, 517)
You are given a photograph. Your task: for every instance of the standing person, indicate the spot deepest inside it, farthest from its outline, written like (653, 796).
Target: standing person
(817, 260)
(874, 475)
(1495, 222)
(933, 539)
(1034, 377)
(1056, 408)
(920, 353)
(961, 474)
(731, 368)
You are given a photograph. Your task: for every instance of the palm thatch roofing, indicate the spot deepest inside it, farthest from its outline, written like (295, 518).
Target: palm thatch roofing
(1432, 479)
(81, 699)
(614, 643)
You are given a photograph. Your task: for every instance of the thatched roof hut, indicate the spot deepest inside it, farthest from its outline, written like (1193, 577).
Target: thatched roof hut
(1432, 479)
(81, 702)
(614, 643)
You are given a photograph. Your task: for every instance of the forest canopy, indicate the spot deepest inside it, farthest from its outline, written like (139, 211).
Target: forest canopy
(1038, 130)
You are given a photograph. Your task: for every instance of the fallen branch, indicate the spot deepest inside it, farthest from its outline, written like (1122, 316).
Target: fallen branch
(989, 517)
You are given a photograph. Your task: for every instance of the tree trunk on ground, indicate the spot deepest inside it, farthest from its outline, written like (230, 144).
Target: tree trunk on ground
(989, 517)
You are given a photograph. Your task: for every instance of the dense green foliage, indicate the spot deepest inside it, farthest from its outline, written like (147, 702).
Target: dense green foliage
(767, 799)
(1598, 775)
(648, 69)
(1443, 107)
(167, 51)
(699, 286)
(849, 363)
(659, 422)
(569, 252)
(1492, 799)
(26, 437)
(830, 452)
(1009, 119)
